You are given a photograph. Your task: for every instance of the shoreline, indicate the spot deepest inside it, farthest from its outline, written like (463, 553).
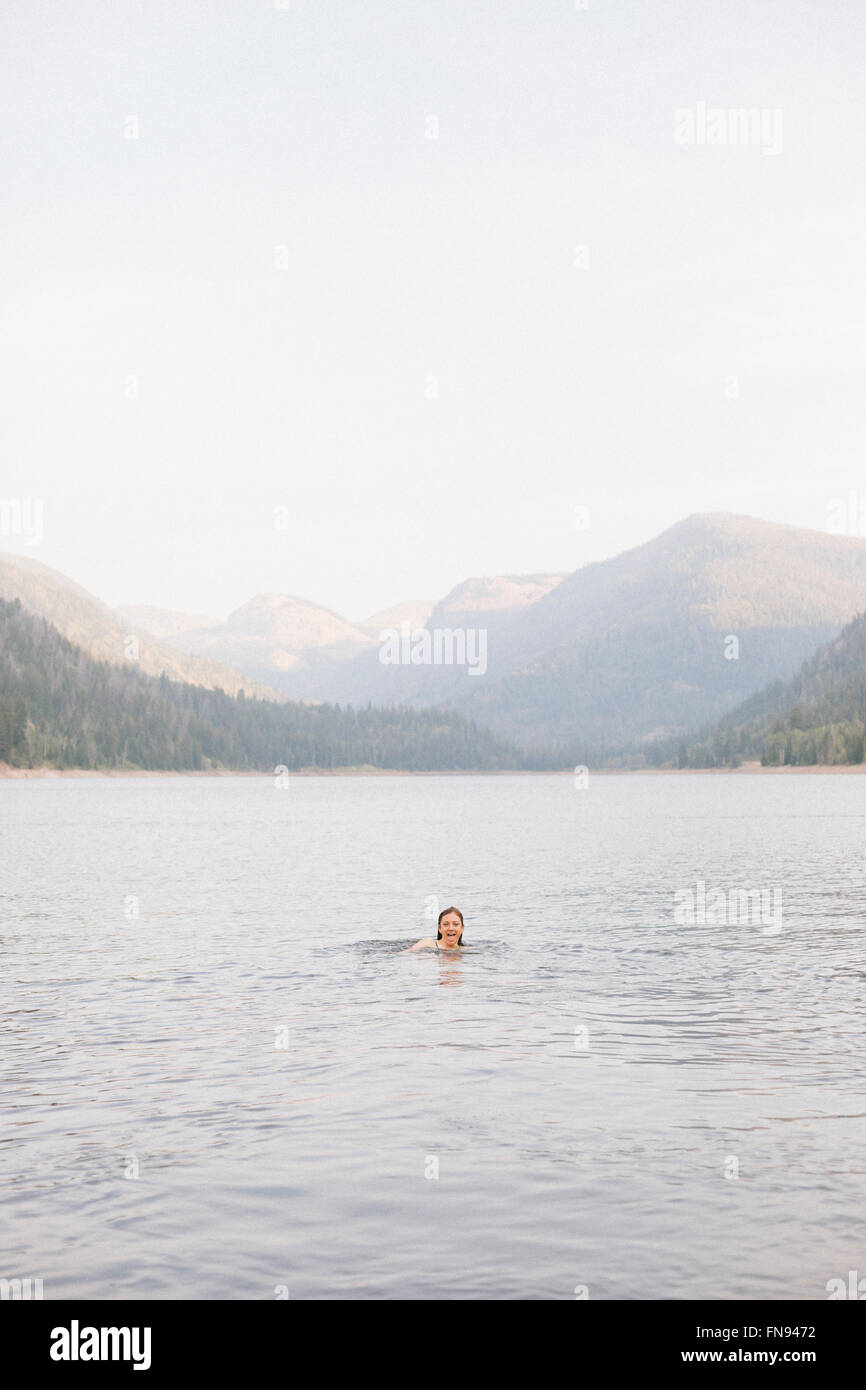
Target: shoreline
(29, 774)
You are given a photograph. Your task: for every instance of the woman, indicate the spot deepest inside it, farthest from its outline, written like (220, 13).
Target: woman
(449, 932)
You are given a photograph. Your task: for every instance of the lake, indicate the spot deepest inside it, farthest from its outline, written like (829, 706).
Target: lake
(641, 1079)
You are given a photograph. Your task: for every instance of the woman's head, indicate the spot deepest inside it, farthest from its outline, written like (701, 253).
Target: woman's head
(450, 927)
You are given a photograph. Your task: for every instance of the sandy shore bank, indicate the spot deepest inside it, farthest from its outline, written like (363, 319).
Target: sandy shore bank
(33, 773)
(749, 769)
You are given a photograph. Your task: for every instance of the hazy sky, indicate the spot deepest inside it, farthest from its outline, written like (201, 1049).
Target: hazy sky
(427, 276)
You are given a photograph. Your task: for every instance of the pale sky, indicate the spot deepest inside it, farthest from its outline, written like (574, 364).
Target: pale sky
(428, 276)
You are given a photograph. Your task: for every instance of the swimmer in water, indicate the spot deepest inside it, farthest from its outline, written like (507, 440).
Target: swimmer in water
(449, 933)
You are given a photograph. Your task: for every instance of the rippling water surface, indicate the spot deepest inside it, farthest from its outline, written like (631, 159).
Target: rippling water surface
(221, 1077)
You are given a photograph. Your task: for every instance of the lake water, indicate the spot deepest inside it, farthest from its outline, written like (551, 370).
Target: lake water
(222, 1079)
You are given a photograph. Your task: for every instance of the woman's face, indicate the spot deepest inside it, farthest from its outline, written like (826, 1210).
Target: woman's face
(451, 928)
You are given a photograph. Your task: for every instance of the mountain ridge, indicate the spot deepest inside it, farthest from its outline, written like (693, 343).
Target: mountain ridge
(89, 623)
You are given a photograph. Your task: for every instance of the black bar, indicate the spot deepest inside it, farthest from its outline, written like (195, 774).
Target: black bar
(225, 1339)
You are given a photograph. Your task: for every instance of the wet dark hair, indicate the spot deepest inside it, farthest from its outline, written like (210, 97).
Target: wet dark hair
(444, 913)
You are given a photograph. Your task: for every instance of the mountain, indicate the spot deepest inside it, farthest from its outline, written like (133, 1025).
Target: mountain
(487, 603)
(91, 624)
(637, 647)
(627, 651)
(819, 716)
(61, 708)
(414, 611)
(280, 640)
(655, 643)
(161, 623)
(309, 652)
(492, 599)
(604, 665)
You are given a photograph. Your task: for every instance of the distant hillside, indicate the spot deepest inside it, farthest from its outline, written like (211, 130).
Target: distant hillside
(628, 651)
(490, 598)
(609, 665)
(59, 707)
(634, 648)
(91, 624)
(309, 652)
(819, 716)
(161, 623)
(487, 603)
(414, 611)
(280, 640)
